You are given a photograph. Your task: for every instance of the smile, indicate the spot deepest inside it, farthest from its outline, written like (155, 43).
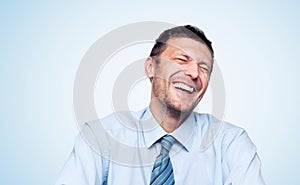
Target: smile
(184, 87)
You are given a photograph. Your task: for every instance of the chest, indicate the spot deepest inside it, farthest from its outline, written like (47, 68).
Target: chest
(194, 167)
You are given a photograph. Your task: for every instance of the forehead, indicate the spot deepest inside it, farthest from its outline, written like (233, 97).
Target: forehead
(188, 46)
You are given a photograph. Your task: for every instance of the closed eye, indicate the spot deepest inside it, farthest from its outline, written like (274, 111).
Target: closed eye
(203, 67)
(181, 59)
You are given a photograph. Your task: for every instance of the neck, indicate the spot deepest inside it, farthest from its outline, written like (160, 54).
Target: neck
(169, 119)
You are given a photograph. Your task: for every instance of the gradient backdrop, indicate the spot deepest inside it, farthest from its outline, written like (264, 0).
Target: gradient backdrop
(42, 43)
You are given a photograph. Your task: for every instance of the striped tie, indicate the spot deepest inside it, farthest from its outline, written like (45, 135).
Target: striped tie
(162, 173)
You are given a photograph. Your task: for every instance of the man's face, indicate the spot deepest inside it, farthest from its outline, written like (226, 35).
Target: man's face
(182, 74)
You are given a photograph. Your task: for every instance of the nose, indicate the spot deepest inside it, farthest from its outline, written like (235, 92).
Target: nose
(191, 69)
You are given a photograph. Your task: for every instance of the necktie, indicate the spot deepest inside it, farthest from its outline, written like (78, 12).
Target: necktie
(162, 173)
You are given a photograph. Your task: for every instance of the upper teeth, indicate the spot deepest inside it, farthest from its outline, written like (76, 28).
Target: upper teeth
(184, 87)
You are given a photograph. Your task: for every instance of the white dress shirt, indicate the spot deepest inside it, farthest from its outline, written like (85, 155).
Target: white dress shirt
(120, 149)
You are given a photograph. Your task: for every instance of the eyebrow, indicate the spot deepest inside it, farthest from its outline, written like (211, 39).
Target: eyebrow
(202, 62)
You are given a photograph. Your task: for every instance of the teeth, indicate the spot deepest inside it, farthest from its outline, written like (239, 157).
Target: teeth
(184, 87)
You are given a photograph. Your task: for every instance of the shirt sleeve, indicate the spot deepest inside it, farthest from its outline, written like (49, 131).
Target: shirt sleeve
(241, 162)
(83, 167)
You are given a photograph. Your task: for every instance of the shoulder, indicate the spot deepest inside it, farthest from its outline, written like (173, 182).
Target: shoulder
(117, 121)
(118, 127)
(208, 122)
(220, 132)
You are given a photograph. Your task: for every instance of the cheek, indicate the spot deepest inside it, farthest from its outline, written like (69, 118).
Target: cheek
(204, 77)
(159, 85)
(166, 69)
(204, 81)
(162, 76)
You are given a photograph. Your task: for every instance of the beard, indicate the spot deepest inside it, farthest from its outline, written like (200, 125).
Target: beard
(178, 110)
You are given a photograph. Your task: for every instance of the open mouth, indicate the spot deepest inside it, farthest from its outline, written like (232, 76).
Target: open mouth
(184, 87)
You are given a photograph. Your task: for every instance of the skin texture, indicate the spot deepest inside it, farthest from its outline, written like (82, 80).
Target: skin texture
(184, 62)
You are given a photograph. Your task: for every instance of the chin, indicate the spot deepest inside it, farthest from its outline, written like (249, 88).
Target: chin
(179, 109)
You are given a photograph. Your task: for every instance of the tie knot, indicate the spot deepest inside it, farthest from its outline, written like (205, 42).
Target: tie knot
(166, 143)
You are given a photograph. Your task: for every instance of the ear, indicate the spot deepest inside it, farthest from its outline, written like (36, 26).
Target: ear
(149, 67)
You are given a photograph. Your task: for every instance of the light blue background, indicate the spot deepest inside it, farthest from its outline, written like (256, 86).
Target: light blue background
(42, 43)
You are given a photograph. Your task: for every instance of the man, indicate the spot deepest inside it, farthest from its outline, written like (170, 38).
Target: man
(167, 143)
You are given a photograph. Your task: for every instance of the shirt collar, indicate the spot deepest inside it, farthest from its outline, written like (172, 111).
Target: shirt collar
(152, 131)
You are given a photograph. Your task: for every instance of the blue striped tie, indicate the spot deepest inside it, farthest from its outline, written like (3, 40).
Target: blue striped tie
(162, 173)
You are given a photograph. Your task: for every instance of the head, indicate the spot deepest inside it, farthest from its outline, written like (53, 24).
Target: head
(179, 67)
